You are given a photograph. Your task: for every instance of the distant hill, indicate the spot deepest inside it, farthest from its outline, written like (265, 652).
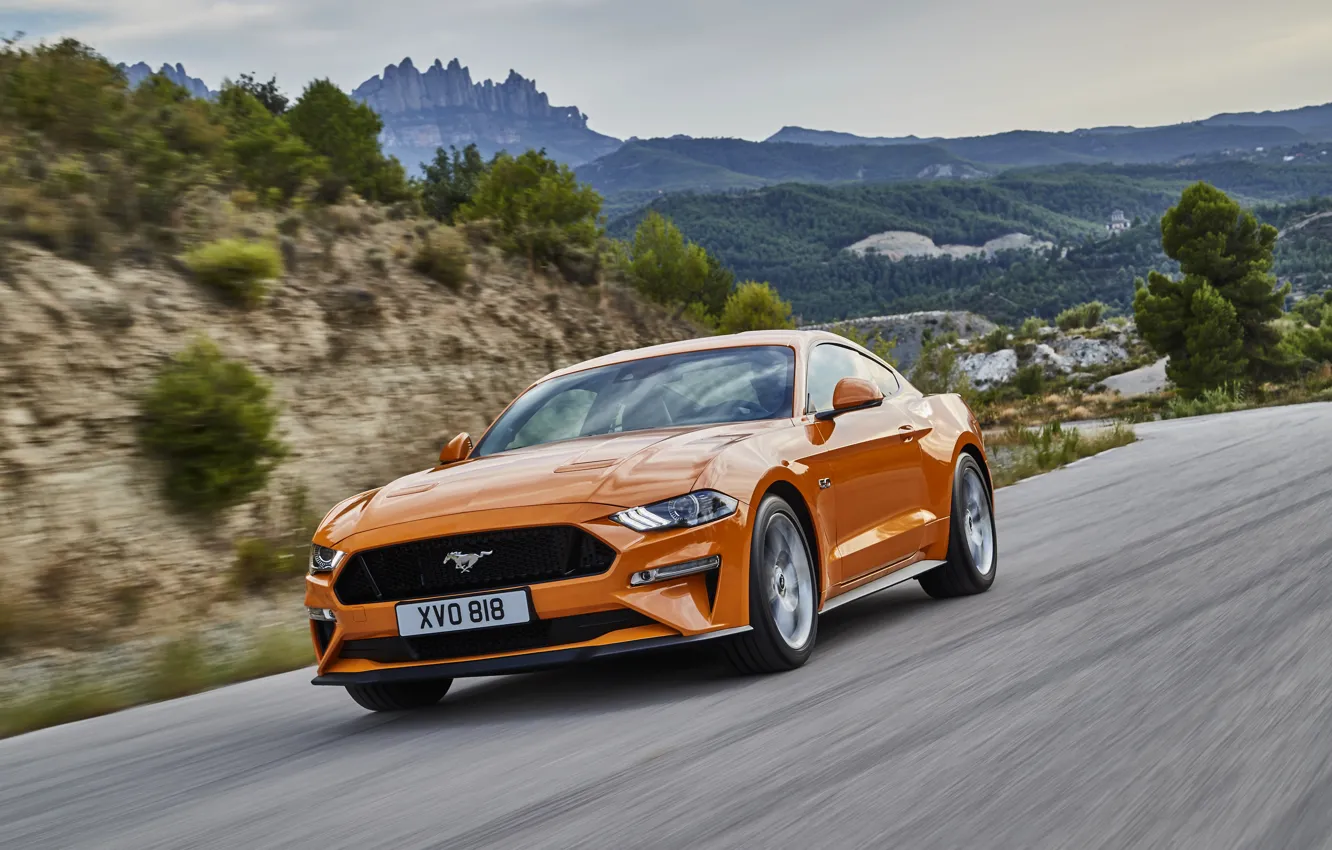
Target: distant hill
(797, 236)
(1227, 131)
(832, 138)
(140, 71)
(640, 170)
(443, 107)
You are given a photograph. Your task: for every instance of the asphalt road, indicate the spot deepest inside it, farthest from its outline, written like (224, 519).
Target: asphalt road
(1153, 668)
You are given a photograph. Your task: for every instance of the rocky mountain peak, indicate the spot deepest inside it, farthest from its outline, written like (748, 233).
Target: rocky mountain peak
(402, 89)
(140, 71)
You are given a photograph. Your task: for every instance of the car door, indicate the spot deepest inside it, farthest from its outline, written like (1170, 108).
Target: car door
(870, 462)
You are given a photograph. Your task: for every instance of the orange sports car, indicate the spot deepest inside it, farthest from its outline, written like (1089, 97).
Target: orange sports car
(728, 489)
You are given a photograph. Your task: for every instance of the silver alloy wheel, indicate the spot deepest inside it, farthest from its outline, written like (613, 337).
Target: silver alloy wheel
(789, 580)
(978, 524)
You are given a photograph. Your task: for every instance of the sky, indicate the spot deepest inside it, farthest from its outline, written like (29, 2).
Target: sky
(745, 68)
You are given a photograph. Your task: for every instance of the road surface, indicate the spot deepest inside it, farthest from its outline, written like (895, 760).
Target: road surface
(1152, 669)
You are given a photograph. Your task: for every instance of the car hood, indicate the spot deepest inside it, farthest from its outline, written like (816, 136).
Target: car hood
(619, 470)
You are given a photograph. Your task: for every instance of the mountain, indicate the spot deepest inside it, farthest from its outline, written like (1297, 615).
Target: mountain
(641, 170)
(443, 107)
(140, 71)
(831, 138)
(1228, 131)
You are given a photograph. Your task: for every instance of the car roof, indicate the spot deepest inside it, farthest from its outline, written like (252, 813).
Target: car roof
(796, 339)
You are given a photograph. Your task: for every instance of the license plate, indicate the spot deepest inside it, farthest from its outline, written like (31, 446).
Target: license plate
(463, 613)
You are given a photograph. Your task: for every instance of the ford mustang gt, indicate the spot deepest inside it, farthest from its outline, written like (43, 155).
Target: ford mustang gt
(729, 489)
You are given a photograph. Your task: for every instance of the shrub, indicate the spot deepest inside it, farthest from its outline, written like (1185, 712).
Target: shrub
(1031, 328)
(1082, 316)
(443, 257)
(752, 307)
(261, 563)
(996, 340)
(238, 268)
(939, 370)
(210, 421)
(539, 208)
(664, 266)
(1030, 379)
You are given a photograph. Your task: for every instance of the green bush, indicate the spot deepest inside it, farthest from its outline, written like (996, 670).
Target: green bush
(443, 257)
(210, 421)
(261, 563)
(1030, 379)
(1222, 399)
(664, 266)
(540, 209)
(754, 307)
(266, 154)
(996, 340)
(939, 370)
(238, 268)
(1082, 316)
(1031, 328)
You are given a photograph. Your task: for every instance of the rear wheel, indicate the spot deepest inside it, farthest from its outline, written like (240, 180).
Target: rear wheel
(973, 552)
(399, 696)
(783, 595)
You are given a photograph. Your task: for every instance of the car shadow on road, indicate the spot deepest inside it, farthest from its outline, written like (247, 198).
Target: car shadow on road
(650, 678)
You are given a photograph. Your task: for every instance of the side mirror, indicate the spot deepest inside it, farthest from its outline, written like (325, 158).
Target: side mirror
(852, 394)
(457, 449)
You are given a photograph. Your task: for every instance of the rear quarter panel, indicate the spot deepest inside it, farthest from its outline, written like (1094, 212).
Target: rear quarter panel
(953, 428)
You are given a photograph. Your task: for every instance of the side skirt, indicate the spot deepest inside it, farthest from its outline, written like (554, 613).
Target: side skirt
(894, 578)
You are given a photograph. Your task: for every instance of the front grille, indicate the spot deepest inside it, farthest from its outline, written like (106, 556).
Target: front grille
(537, 634)
(516, 556)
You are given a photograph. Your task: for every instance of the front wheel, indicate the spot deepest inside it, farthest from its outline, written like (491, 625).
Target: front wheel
(399, 696)
(783, 594)
(973, 554)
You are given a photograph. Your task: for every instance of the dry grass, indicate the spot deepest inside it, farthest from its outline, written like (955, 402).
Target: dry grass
(1022, 452)
(175, 668)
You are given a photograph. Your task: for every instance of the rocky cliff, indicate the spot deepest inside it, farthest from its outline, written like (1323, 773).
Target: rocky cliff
(140, 71)
(443, 107)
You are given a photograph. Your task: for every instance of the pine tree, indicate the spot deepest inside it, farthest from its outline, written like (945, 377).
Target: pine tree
(1220, 246)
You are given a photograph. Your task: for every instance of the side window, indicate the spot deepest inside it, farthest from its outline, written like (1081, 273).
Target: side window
(882, 376)
(829, 364)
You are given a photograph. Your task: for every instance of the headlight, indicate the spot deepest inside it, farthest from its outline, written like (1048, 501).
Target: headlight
(324, 559)
(686, 511)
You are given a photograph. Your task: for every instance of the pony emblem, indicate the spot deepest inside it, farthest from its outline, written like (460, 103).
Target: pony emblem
(464, 562)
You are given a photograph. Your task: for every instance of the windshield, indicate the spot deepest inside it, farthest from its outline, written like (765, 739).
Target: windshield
(698, 388)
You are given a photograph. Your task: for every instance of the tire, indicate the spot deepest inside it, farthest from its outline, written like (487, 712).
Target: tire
(973, 553)
(783, 595)
(399, 696)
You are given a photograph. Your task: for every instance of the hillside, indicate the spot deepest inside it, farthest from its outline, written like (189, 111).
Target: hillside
(796, 236)
(374, 366)
(640, 169)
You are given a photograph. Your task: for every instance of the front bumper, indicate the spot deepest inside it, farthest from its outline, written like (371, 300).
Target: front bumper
(667, 613)
(521, 663)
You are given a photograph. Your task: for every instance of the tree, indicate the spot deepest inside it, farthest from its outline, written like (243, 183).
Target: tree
(266, 153)
(754, 307)
(1214, 352)
(667, 268)
(542, 211)
(450, 181)
(347, 133)
(1219, 245)
(267, 93)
